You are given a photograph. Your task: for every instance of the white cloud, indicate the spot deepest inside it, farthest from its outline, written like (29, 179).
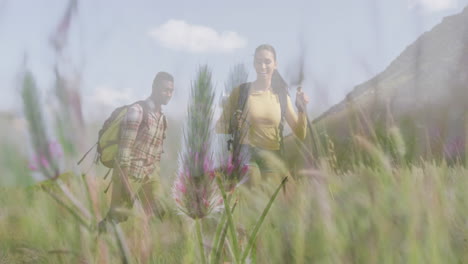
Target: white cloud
(103, 100)
(106, 96)
(179, 35)
(433, 5)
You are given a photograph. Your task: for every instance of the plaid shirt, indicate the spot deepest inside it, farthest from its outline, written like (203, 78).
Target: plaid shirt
(141, 142)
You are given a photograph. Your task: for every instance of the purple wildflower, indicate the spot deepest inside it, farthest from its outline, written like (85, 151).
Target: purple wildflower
(34, 164)
(196, 196)
(55, 149)
(40, 160)
(44, 161)
(234, 170)
(195, 189)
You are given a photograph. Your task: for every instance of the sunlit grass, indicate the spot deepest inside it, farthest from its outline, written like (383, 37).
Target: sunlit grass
(412, 214)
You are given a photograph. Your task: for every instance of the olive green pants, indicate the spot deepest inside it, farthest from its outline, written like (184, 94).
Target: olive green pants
(127, 190)
(265, 166)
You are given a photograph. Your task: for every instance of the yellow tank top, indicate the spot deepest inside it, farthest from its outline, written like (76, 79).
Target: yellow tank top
(263, 115)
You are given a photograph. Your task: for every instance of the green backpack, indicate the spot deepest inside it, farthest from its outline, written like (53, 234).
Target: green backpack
(108, 136)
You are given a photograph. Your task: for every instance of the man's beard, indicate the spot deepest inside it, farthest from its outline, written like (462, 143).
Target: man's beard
(165, 101)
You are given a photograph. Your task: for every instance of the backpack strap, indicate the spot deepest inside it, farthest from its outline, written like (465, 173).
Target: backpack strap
(144, 106)
(283, 97)
(165, 125)
(243, 96)
(86, 154)
(241, 102)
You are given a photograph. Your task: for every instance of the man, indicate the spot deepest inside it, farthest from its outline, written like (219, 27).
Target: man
(136, 171)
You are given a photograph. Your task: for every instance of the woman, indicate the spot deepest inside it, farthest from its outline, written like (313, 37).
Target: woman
(254, 114)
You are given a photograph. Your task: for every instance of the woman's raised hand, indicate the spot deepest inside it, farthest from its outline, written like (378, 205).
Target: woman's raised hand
(301, 100)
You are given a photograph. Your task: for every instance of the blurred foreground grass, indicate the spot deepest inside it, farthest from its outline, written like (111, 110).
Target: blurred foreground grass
(414, 214)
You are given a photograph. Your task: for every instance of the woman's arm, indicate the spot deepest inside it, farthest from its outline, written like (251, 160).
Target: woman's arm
(297, 122)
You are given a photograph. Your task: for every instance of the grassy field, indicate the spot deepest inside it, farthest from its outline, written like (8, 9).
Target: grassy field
(378, 212)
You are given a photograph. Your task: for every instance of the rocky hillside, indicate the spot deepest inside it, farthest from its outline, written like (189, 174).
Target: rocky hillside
(424, 92)
(433, 69)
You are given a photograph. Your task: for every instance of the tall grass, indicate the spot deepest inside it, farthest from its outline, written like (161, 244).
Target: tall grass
(414, 214)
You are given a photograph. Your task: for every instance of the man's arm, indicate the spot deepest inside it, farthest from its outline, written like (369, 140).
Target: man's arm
(128, 134)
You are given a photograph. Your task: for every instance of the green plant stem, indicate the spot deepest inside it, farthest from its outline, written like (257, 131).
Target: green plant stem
(219, 229)
(124, 251)
(200, 240)
(74, 200)
(84, 183)
(220, 239)
(232, 229)
(68, 208)
(253, 236)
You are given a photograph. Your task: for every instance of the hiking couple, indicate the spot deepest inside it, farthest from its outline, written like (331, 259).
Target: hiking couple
(263, 104)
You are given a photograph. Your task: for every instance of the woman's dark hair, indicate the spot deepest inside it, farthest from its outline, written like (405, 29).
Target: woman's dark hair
(266, 47)
(278, 84)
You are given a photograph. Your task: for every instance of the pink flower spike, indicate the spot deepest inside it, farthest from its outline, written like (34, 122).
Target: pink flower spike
(230, 168)
(55, 149)
(44, 161)
(212, 174)
(208, 168)
(33, 164)
(180, 186)
(244, 170)
(206, 203)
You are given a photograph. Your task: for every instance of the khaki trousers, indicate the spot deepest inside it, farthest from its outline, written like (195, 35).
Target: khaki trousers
(128, 190)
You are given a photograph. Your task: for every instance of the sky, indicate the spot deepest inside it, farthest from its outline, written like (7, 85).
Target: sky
(118, 46)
